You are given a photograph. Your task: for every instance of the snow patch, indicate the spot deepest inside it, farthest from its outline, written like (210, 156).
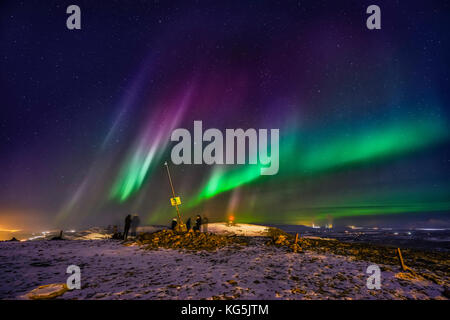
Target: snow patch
(249, 230)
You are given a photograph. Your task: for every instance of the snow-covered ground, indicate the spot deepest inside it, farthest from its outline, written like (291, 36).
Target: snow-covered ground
(96, 233)
(241, 229)
(110, 270)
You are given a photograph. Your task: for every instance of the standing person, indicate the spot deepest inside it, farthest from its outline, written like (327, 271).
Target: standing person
(188, 224)
(174, 223)
(198, 223)
(135, 224)
(127, 227)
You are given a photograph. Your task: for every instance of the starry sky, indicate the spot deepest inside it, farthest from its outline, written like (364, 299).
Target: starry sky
(86, 115)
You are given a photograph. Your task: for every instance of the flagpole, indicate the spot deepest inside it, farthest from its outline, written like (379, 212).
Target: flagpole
(180, 222)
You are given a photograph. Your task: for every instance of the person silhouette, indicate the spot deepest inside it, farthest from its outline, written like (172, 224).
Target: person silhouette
(174, 223)
(188, 224)
(198, 223)
(135, 221)
(127, 227)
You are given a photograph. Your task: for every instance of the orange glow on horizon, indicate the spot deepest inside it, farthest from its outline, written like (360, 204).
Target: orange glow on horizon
(3, 229)
(16, 220)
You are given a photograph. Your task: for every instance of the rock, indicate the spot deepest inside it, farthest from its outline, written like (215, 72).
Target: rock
(232, 282)
(188, 240)
(285, 240)
(117, 236)
(296, 247)
(298, 291)
(280, 240)
(48, 291)
(59, 237)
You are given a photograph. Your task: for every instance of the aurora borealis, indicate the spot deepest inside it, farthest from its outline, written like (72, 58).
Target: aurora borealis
(87, 115)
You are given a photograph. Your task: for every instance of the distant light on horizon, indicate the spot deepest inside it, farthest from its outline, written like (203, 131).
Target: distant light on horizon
(3, 229)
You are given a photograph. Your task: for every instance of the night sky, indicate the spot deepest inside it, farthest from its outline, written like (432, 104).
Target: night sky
(86, 115)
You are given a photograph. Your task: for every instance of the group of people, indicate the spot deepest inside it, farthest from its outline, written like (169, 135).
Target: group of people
(199, 222)
(132, 223)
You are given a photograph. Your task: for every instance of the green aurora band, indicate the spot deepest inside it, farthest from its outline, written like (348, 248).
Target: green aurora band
(306, 155)
(132, 176)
